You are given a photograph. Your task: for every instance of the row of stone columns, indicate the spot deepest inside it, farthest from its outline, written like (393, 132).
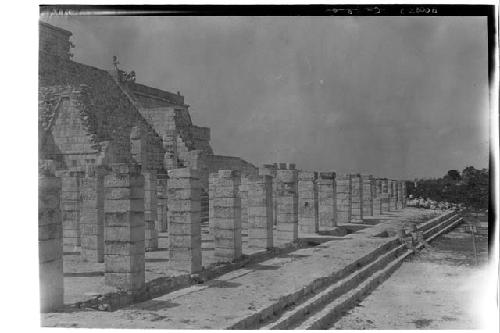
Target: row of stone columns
(118, 210)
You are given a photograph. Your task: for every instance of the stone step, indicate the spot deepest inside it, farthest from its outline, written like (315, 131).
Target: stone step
(291, 309)
(286, 301)
(334, 310)
(312, 305)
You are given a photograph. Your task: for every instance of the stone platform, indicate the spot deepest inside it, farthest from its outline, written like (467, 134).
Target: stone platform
(238, 294)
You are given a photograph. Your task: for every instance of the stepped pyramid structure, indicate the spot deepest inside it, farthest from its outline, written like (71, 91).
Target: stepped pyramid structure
(90, 116)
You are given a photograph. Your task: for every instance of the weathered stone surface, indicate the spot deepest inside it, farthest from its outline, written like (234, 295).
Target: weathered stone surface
(384, 197)
(308, 202)
(92, 216)
(367, 195)
(327, 200)
(377, 203)
(357, 199)
(184, 227)
(70, 205)
(50, 243)
(392, 195)
(260, 216)
(162, 208)
(124, 229)
(344, 197)
(150, 210)
(226, 215)
(287, 206)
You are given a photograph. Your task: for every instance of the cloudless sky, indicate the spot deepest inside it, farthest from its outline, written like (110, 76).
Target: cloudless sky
(398, 97)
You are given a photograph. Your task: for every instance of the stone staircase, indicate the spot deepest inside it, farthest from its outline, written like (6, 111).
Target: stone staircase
(320, 304)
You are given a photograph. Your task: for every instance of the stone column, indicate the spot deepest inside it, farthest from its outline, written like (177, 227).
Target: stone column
(260, 213)
(243, 191)
(357, 199)
(392, 195)
(275, 196)
(367, 195)
(344, 197)
(308, 202)
(184, 229)
(396, 195)
(124, 227)
(211, 190)
(287, 205)
(50, 241)
(70, 205)
(327, 194)
(400, 194)
(404, 194)
(376, 190)
(162, 210)
(384, 196)
(92, 215)
(150, 210)
(227, 216)
(270, 170)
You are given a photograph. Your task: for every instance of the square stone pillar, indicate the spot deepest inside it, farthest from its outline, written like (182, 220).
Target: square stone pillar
(367, 195)
(376, 191)
(270, 170)
(243, 191)
(384, 196)
(308, 202)
(50, 242)
(184, 229)
(404, 194)
(92, 215)
(327, 194)
(260, 213)
(70, 206)
(392, 195)
(399, 191)
(357, 199)
(344, 197)
(124, 227)
(227, 216)
(150, 210)
(287, 205)
(212, 177)
(162, 208)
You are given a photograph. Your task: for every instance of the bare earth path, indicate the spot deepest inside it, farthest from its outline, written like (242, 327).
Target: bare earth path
(439, 288)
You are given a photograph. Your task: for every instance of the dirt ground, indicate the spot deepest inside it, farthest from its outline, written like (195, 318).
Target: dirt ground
(240, 293)
(439, 288)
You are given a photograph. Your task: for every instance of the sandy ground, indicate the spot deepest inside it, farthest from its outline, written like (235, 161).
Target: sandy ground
(229, 298)
(439, 288)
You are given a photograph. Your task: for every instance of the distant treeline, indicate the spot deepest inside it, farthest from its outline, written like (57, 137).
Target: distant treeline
(471, 188)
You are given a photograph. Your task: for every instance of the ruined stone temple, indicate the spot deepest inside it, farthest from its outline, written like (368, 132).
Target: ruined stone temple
(91, 117)
(122, 168)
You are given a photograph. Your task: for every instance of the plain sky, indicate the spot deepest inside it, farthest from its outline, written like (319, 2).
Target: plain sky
(398, 97)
